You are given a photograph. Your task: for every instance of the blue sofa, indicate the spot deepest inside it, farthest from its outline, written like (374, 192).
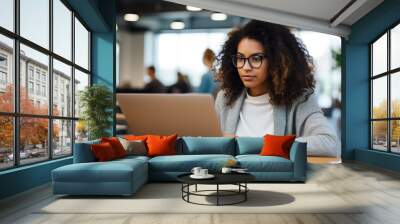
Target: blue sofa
(125, 176)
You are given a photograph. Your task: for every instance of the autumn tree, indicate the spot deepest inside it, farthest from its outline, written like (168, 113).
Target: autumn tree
(33, 131)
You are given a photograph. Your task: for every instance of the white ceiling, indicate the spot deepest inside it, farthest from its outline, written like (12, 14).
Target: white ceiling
(316, 15)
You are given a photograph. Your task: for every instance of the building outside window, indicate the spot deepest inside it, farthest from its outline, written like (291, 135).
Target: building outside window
(58, 127)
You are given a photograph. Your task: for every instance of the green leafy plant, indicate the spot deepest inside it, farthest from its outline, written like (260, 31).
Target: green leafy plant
(96, 102)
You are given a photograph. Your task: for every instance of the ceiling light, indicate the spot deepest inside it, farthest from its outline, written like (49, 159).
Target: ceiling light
(177, 25)
(218, 16)
(131, 17)
(191, 8)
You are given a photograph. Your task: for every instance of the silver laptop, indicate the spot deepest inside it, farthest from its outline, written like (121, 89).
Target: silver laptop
(166, 114)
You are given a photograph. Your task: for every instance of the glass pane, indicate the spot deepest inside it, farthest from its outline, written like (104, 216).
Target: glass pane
(6, 74)
(379, 97)
(395, 94)
(81, 131)
(62, 138)
(81, 81)
(379, 55)
(62, 89)
(6, 142)
(62, 29)
(35, 21)
(81, 45)
(395, 136)
(395, 47)
(7, 14)
(33, 139)
(34, 92)
(379, 135)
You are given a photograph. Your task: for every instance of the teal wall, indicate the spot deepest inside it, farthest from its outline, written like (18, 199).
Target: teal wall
(355, 84)
(99, 15)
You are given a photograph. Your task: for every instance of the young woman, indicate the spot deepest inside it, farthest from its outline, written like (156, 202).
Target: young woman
(267, 88)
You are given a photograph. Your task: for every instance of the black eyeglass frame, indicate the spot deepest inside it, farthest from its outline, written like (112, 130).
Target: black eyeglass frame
(235, 56)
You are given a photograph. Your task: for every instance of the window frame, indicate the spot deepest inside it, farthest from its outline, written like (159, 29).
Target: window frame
(16, 114)
(388, 74)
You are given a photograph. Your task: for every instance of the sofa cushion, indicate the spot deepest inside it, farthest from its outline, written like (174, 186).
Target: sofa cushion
(111, 171)
(185, 163)
(159, 145)
(257, 163)
(249, 145)
(103, 152)
(275, 145)
(116, 145)
(206, 145)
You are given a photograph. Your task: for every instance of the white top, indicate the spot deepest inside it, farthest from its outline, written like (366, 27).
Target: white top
(256, 117)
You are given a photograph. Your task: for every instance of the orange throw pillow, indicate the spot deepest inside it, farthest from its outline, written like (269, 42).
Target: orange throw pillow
(135, 137)
(275, 145)
(103, 152)
(116, 145)
(161, 145)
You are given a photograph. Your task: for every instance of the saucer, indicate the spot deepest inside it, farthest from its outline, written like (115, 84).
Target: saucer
(208, 176)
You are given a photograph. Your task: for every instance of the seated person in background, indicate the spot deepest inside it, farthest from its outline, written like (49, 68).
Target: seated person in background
(154, 86)
(208, 84)
(181, 85)
(267, 88)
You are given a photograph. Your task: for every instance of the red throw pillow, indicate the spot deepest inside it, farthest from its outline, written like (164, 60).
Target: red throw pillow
(103, 151)
(116, 145)
(161, 145)
(275, 145)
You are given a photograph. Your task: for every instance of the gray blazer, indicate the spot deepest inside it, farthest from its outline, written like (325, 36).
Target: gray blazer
(303, 118)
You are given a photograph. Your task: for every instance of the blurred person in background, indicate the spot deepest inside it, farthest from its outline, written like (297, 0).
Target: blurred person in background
(208, 84)
(182, 84)
(154, 85)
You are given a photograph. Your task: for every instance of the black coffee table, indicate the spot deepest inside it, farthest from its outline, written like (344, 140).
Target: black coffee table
(238, 179)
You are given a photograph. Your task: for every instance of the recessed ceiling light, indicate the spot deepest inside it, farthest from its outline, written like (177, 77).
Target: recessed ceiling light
(131, 17)
(177, 25)
(218, 16)
(191, 8)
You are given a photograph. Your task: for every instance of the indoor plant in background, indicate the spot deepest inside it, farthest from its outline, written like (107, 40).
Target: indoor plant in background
(96, 103)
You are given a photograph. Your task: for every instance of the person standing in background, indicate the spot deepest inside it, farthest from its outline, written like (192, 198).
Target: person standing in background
(208, 84)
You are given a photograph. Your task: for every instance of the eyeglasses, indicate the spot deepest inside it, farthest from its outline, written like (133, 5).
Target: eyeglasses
(255, 60)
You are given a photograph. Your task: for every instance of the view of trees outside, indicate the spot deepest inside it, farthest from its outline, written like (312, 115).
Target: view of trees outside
(33, 131)
(382, 137)
(34, 118)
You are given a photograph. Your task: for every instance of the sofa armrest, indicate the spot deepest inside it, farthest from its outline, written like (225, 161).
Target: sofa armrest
(83, 152)
(298, 155)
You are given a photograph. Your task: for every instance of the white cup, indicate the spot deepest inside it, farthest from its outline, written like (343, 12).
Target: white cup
(203, 172)
(196, 171)
(226, 170)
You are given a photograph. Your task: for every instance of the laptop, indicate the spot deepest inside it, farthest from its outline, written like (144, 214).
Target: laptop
(166, 114)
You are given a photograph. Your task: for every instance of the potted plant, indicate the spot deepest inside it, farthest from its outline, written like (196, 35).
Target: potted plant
(96, 103)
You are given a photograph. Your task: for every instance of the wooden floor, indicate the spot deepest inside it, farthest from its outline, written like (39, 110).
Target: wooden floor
(377, 188)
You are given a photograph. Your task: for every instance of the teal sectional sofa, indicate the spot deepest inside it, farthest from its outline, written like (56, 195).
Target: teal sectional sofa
(125, 176)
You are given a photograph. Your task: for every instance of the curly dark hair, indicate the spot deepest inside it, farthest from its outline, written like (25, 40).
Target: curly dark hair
(290, 67)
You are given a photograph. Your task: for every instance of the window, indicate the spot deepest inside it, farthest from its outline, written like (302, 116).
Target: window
(30, 72)
(38, 89)
(3, 78)
(7, 14)
(43, 90)
(385, 97)
(45, 131)
(30, 87)
(3, 61)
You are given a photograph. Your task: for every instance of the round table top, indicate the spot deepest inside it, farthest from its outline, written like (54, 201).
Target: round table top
(220, 178)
